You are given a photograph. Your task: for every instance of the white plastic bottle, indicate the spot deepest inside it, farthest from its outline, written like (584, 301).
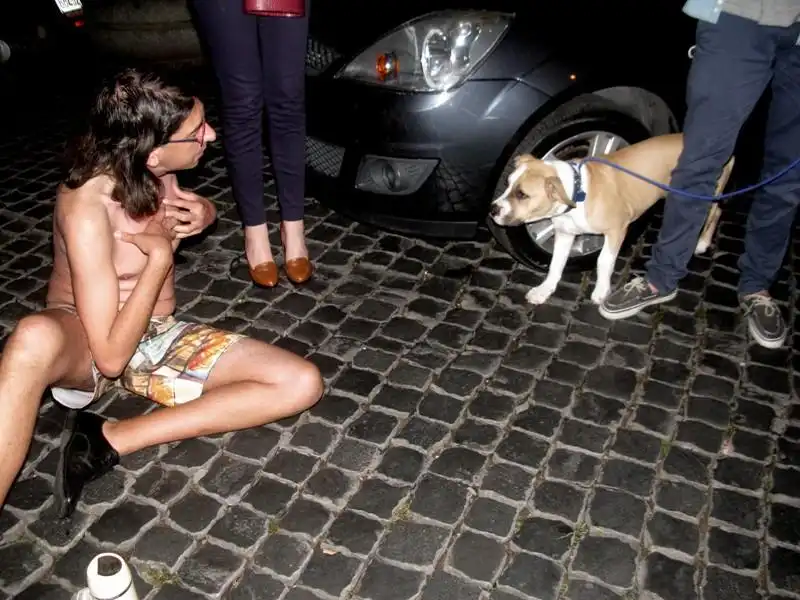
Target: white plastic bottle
(108, 577)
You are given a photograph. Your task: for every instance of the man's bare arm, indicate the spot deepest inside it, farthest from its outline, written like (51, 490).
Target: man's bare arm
(113, 334)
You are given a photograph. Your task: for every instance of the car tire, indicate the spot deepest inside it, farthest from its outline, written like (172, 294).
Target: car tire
(582, 115)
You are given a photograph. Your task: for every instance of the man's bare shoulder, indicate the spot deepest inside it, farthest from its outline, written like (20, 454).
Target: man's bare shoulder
(88, 203)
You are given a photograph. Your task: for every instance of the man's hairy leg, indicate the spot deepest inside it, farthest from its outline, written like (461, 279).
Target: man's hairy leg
(253, 383)
(45, 348)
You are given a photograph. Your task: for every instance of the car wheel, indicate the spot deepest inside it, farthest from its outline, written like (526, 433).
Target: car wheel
(587, 126)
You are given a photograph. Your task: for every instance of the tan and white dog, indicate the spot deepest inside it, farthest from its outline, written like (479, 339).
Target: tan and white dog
(594, 198)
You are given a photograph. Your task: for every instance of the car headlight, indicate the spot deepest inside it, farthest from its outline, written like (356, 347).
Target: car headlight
(433, 53)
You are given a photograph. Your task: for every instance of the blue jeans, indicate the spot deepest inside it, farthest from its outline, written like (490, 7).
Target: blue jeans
(735, 61)
(260, 63)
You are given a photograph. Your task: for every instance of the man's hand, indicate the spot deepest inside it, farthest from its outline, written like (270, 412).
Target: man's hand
(156, 239)
(191, 212)
(154, 245)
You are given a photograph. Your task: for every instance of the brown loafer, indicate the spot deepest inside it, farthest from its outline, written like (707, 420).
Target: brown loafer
(265, 274)
(299, 270)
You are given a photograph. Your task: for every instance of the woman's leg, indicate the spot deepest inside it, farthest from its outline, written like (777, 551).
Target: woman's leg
(283, 47)
(232, 37)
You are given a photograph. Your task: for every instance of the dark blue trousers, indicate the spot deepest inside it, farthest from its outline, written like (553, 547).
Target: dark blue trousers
(260, 63)
(735, 61)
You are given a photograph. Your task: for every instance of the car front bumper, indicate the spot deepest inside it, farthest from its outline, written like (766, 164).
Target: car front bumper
(415, 163)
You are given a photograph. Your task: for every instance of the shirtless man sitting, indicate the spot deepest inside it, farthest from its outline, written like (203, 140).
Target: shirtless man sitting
(108, 321)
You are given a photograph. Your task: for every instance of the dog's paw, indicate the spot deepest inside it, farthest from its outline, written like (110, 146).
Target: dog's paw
(539, 294)
(599, 295)
(702, 247)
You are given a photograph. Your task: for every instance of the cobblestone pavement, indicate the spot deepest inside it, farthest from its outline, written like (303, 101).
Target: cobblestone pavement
(469, 446)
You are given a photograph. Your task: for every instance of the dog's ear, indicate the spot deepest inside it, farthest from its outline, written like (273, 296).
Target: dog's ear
(555, 191)
(523, 159)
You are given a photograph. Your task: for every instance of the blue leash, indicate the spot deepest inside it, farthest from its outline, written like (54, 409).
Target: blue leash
(673, 190)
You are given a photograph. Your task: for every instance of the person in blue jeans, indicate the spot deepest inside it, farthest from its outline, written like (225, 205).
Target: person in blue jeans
(259, 62)
(742, 48)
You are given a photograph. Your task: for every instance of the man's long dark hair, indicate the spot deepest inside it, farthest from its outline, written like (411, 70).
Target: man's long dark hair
(131, 116)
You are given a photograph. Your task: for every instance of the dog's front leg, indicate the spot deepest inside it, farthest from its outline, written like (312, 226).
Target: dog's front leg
(605, 265)
(561, 249)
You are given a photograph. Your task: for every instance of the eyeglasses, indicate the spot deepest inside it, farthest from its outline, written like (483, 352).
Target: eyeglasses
(197, 139)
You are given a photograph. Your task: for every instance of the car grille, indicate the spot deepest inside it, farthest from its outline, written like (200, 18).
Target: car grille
(319, 56)
(324, 158)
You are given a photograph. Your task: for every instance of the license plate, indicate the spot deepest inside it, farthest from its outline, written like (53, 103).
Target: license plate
(69, 6)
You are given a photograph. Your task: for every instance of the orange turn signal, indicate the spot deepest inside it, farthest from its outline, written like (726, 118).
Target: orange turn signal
(387, 66)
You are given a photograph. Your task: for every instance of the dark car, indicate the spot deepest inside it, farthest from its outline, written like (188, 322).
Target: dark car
(38, 27)
(416, 108)
(36, 37)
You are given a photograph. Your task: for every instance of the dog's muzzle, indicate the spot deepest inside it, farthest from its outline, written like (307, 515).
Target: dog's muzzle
(497, 211)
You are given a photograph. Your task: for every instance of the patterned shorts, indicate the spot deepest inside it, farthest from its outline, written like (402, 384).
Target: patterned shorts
(170, 364)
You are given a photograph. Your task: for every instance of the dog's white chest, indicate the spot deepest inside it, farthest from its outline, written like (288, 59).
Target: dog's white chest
(573, 222)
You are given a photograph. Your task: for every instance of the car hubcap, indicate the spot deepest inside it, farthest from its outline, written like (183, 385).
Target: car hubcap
(590, 143)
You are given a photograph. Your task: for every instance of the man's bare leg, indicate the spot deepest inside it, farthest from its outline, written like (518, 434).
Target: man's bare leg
(253, 383)
(45, 348)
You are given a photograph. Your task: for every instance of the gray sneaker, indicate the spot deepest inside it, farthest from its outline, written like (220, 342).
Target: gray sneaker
(764, 320)
(631, 298)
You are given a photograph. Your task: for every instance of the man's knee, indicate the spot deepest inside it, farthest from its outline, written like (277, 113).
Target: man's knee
(38, 337)
(306, 384)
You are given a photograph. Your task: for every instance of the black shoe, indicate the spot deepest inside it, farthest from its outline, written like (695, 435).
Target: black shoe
(631, 298)
(764, 320)
(85, 456)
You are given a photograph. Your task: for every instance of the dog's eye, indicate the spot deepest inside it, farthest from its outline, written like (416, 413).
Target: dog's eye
(518, 194)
